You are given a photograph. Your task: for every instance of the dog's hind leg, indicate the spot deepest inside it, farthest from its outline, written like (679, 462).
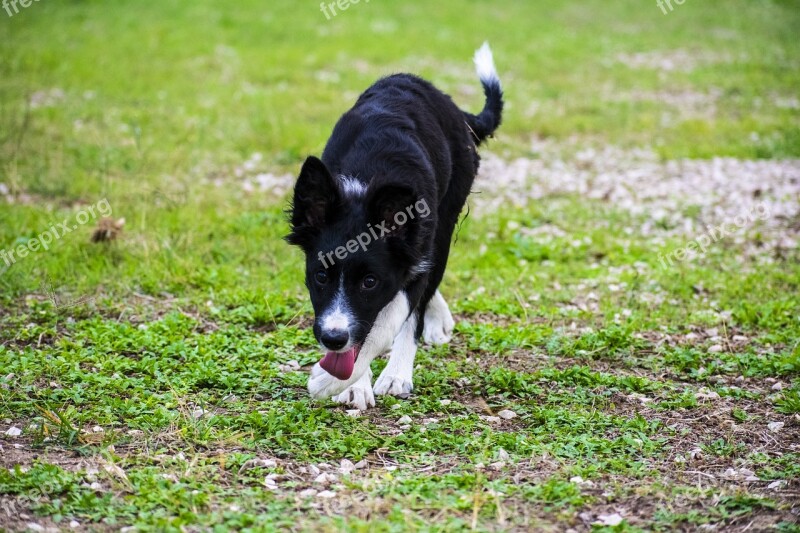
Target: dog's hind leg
(397, 378)
(439, 323)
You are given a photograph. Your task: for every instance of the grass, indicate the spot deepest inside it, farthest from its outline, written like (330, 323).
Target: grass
(148, 373)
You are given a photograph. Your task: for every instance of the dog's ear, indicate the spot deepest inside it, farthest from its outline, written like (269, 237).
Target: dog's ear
(389, 205)
(315, 198)
(394, 207)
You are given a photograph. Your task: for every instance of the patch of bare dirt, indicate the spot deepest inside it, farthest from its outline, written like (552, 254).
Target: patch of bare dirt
(673, 198)
(677, 60)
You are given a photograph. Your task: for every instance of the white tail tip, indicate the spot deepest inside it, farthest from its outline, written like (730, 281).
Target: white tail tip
(484, 65)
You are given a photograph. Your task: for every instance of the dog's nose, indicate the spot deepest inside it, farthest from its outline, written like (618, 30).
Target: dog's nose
(335, 339)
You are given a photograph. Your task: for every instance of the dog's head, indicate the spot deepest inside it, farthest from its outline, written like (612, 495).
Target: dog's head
(362, 243)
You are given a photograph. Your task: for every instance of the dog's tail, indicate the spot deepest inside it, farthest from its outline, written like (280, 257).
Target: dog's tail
(485, 124)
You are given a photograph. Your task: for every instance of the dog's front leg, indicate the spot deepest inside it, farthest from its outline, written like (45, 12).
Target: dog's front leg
(359, 394)
(389, 322)
(356, 391)
(397, 378)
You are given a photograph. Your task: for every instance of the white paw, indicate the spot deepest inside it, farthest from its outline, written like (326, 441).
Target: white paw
(439, 323)
(357, 396)
(392, 386)
(323, 385)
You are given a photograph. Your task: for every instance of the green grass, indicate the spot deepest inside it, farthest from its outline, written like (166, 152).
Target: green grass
(147, 373)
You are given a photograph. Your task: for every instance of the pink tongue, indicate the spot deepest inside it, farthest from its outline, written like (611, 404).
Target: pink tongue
(339, 365)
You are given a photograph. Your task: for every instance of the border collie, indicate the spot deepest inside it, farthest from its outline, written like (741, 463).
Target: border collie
(375, 217)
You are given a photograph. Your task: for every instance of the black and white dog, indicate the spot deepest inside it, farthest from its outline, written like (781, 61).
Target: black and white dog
(375, 218)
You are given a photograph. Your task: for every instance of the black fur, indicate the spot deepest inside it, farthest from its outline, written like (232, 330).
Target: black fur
(406, 142)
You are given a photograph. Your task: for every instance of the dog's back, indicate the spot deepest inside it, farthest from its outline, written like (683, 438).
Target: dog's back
(402, 115)
(404, 128)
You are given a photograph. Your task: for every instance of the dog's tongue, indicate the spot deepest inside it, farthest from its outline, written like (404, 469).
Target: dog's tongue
(339, 365)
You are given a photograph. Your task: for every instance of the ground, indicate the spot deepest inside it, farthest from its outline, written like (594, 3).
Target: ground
(625, 281)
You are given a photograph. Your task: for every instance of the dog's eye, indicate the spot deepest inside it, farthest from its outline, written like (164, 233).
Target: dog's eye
(369, 282)
(322, 277)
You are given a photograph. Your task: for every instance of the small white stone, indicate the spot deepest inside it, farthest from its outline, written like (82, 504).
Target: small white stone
(97, 429)
(776, 485)
(498, 465)
(396, 406)
(74, 523)
(34, 527)
(258, 463)
(327, 494)
(404, 420)
(609, 520)
(641, 398)
(445, 403)
(717, 348)
(576, 479)
(503, 455)
(308, 493)
(730, 473)
(361, 464)
(289, 366)
(325, 478)
(492, 419)
(775, 426)
(14, 431)
(778, 386)
(314, 469)
(507, 414)
(346, 466)
(706, 394)
(353, 413)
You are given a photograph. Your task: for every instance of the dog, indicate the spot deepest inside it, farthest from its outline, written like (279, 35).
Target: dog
(375, 216)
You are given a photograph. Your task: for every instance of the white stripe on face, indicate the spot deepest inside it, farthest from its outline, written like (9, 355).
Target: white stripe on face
(352, 187)
(337, 317)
